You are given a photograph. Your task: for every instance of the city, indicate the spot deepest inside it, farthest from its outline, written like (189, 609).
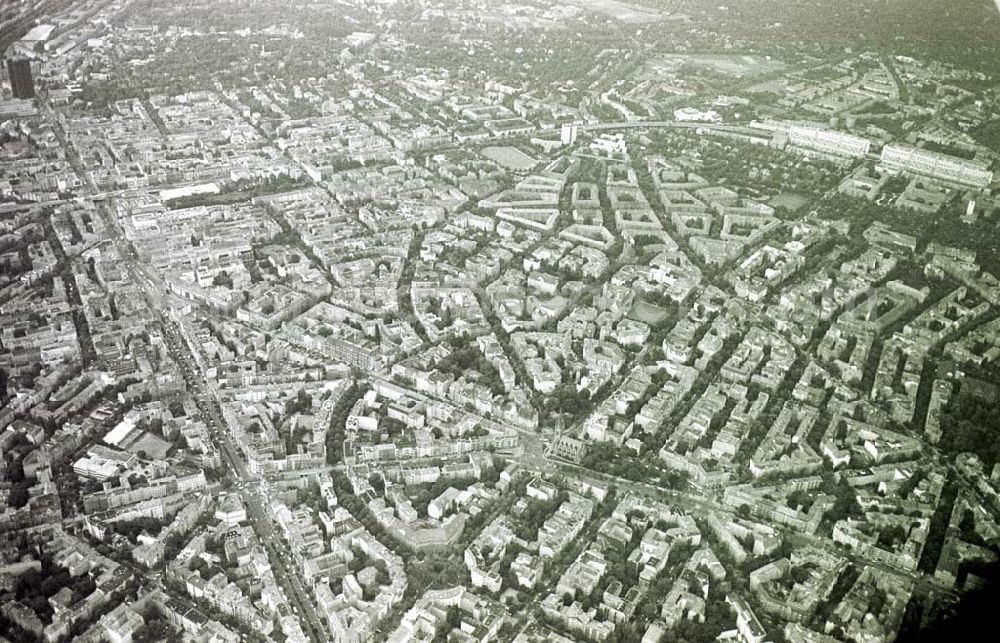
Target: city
(459, 320)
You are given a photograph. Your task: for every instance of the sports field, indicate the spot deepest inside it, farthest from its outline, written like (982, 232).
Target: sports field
(509, 157)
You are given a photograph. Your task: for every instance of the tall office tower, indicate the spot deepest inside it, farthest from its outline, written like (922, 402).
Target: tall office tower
(21, 82)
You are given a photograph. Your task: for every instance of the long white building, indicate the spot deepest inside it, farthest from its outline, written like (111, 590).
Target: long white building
(828, 141)
(939, 166)
(814, 137)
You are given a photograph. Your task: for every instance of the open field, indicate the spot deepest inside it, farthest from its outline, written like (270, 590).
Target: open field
(624, 12)
(790, 200)
(739, 66)
(509, 157)
(960, 31)
(647, 313)
(153, 446)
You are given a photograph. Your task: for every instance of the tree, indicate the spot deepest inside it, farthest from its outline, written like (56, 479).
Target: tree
(18, 495)
(153, 631)
(846, 504)
(222, 279)
(300, 404)
(454, 617)
(378, 483)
